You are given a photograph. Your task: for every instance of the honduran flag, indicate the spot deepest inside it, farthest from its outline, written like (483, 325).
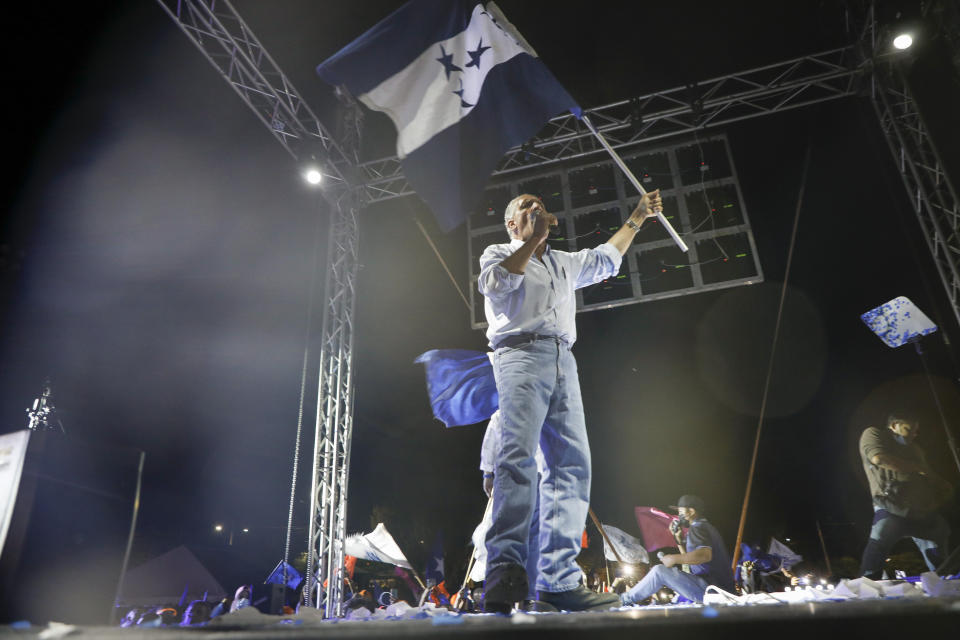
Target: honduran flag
(462, 87)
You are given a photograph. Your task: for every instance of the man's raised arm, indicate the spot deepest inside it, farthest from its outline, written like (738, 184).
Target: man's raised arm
(649, 204)
(517, 261)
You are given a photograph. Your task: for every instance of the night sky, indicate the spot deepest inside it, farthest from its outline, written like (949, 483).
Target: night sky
(160, 259)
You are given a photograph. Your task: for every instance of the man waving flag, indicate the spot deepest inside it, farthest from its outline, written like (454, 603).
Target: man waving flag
(462, 87)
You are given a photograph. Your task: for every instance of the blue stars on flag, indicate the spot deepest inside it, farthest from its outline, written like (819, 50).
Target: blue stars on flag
(446, 59)
(475, 55)
(463, 103)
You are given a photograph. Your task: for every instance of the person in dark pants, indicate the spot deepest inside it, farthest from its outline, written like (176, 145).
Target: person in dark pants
(906, 495)
(705, 553)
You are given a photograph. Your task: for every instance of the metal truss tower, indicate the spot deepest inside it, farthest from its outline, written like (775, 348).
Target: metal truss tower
(933, 197)
(216, 28)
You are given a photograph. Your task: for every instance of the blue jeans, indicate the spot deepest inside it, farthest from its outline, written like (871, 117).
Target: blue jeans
(688, 585)
(540, 403)
(533, 551)
(929, 533)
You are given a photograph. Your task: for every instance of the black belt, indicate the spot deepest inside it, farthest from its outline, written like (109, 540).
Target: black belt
(524, 338)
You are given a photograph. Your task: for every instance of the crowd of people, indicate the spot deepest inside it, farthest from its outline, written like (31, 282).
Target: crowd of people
(196, 613)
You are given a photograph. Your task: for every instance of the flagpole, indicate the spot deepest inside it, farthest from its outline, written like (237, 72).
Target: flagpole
(770, 363)
(823, 545)
(473, 556)
(603, 533)
(633, 180)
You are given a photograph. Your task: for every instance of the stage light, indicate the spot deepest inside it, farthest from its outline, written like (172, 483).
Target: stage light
(313, 175)
(903, 41)
(246, 530)
(218, 527)
(627, 570)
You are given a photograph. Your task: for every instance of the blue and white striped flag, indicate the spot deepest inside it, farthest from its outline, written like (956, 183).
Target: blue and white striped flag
(462, 87)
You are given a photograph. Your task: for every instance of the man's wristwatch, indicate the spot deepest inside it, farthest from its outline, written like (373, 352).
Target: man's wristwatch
(633, 225)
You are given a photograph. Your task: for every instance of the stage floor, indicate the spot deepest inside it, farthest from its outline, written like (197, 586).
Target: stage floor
(859, 620)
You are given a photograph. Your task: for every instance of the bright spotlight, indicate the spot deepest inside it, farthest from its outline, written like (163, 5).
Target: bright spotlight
(313, 176)
(627, 570)
(218, 527)
(903, 41)
(246, 530)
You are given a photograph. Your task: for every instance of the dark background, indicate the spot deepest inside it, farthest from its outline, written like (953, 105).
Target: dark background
(158, 258)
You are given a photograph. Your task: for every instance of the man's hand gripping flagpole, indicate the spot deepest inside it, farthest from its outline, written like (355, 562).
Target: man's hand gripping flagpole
(633, 180)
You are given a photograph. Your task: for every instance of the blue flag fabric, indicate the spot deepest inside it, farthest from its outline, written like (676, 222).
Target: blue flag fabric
(276, 577)
(765, 562)
(461, 386)
(462, 87)
(433, 573)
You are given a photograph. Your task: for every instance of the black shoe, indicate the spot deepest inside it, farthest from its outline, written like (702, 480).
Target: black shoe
(505, 585)
(538, 606)
(580, 599)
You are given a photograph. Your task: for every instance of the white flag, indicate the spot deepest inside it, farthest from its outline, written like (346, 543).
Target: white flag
(13, 452)
(379, 546)
(789, 558)
(630, 549)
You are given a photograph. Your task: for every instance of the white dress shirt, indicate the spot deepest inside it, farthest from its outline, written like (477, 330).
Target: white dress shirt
(542, 300)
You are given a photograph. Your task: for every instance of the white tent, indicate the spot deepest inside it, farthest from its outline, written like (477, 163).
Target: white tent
(166, 577)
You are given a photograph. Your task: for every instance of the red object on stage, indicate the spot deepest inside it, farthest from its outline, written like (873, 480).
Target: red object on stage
(350, 564)
(439, 595)
(584, 541)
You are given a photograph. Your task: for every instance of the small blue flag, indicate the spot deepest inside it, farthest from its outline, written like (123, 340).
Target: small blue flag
(292, 578)
(462, 87)
(461, 385)
(764, 562)
(434, 570)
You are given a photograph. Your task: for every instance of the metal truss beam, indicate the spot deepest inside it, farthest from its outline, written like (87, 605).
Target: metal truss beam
(932, 196)
(223, 37)
(719, 101)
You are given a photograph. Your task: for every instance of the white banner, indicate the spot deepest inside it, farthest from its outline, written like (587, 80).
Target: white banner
(13, 451)
(379, 546)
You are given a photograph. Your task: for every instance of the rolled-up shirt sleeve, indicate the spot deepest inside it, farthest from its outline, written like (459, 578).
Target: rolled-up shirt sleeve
(872, 443)
(698, 538)
(596, 264)
(495, 281)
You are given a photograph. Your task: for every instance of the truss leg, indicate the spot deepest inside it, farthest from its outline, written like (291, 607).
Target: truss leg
(331, 461)
(928, 186)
